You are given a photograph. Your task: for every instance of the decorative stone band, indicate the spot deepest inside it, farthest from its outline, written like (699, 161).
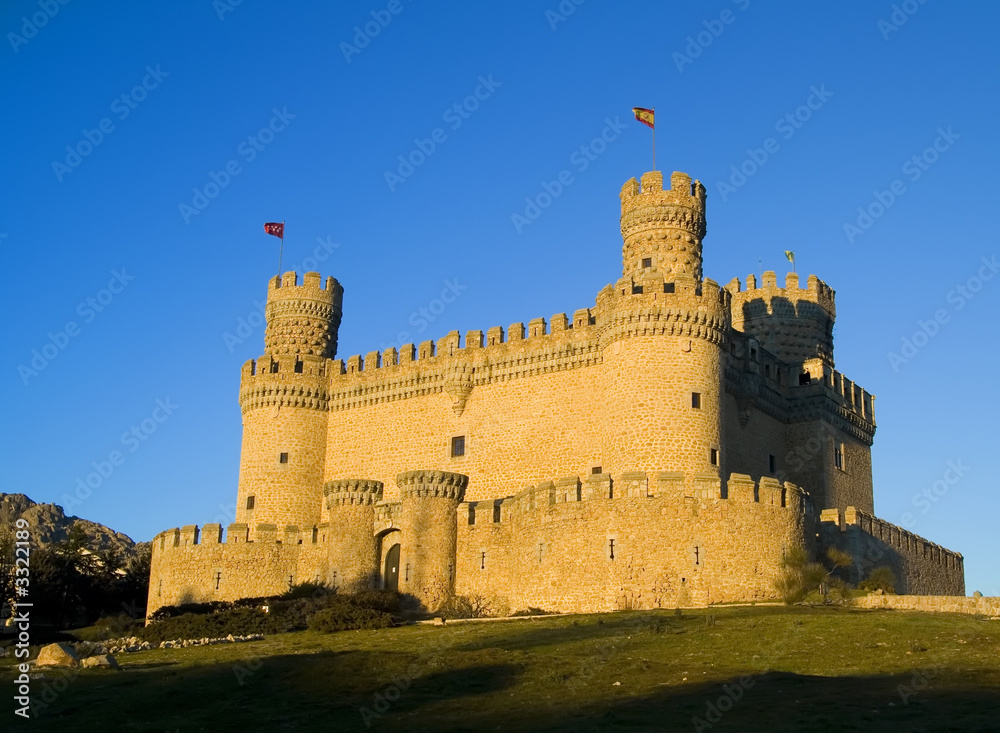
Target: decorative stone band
(261, 393)
(352, 491)
(656, 320)
(427, 484)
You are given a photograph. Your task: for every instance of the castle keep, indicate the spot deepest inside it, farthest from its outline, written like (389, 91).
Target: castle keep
(665, 446)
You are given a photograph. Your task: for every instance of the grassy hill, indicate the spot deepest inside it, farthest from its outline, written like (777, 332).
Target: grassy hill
(726, 668)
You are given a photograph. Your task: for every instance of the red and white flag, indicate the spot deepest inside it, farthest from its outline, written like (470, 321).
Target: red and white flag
(276, 229)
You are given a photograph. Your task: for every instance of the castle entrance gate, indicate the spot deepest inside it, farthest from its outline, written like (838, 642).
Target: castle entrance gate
(390, 572)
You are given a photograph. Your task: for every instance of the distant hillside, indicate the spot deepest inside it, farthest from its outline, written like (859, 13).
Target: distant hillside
(49, 524)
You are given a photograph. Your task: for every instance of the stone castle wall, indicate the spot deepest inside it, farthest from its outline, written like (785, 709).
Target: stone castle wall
(600, 543)
(921, 566)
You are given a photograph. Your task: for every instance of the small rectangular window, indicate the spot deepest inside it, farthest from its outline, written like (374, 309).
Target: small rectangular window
(696, 400)
(647, 262)
(772, 464)
(767, 370)
(298, 366)
(714, 456)
(282, 458)
(458, 446)
(472, 514)
(668, 287)
(496, 513)
(596, 470)
(804, 379)
(636, 289)
(838, 456)
(251, 500)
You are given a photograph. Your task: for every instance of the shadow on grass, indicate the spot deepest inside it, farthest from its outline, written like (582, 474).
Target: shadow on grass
(356, 690)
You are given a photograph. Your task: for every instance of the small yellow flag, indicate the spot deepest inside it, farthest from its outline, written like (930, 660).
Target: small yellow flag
(790, 255)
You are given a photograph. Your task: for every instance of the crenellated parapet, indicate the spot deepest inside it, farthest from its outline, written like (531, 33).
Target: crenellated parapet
(352, 492)
(303, 319)
(432, 484)
(662, 230)
(793, 323)
(284, 381)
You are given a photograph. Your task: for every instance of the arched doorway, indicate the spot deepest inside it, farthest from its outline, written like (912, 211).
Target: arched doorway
(390, 573)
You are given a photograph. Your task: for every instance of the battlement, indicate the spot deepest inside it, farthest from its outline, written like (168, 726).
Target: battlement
(662, 229)
(237, 533)
(423, 484)
(303, 319)
(668, 486)
(352, 492)
(816, 291)
(846, 393)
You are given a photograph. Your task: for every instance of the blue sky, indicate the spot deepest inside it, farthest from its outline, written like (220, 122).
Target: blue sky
(145, 145)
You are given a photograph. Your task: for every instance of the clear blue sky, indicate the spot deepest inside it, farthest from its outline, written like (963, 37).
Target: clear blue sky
(113, 216)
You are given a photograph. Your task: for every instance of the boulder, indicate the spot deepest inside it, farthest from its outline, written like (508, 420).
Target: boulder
(57, 655)
(101, 660)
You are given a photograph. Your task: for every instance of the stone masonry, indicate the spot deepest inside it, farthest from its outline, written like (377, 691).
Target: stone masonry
(665, 446)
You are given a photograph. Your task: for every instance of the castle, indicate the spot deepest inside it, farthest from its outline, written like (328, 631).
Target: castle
(666, 446)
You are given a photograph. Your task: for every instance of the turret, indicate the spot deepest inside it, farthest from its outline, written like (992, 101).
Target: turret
(663, 330)
(662, 229)
(284, 398)
(793, 323)
(350, 510)
(429, 533)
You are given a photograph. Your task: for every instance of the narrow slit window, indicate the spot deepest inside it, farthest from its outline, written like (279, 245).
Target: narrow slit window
(772, 464)
(714, 456)
(251, 500)
(696, 400)
(838, 456)
(482, 561)
(282, 458)
(611, 549)
(218, 580)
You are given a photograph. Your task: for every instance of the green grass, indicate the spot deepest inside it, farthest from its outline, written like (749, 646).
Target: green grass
(810, 669)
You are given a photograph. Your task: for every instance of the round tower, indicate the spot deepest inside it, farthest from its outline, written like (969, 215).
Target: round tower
(663, 331)
(429, 533)
(662, 230)
(350, 510)
(284, 400)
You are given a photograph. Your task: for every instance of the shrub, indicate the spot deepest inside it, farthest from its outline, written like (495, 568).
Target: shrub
(307, 590)
(881, 578)
(211, 625)
(120, 625)
(387, 601)
(347, 616)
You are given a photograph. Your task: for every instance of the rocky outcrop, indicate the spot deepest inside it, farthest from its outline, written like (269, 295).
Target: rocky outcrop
(49, 525)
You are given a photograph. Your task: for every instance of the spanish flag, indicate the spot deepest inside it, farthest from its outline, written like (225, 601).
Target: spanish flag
(645, 116)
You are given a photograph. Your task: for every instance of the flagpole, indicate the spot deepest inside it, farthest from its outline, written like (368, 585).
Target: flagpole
(654, 138)
(281, 248)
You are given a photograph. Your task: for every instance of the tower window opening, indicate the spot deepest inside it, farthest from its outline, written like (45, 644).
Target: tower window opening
(772, 464)
(298, 366)
(496, 513)
(767, 370)
(696, 400)
(753, 353)
(251, 500)
(611, 549)
(647, 262)
(282, 458)
(596, 470)
(804, 378)
(838, 456)
(274, 367)
(458, 446)
(713, 456)
(636, 289)
(668, 287)
(472, 514)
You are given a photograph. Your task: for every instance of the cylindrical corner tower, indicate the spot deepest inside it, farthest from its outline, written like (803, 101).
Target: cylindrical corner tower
(663, 333)
(350, 510)
(662, 230)
(284, 399)
(429, 533)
